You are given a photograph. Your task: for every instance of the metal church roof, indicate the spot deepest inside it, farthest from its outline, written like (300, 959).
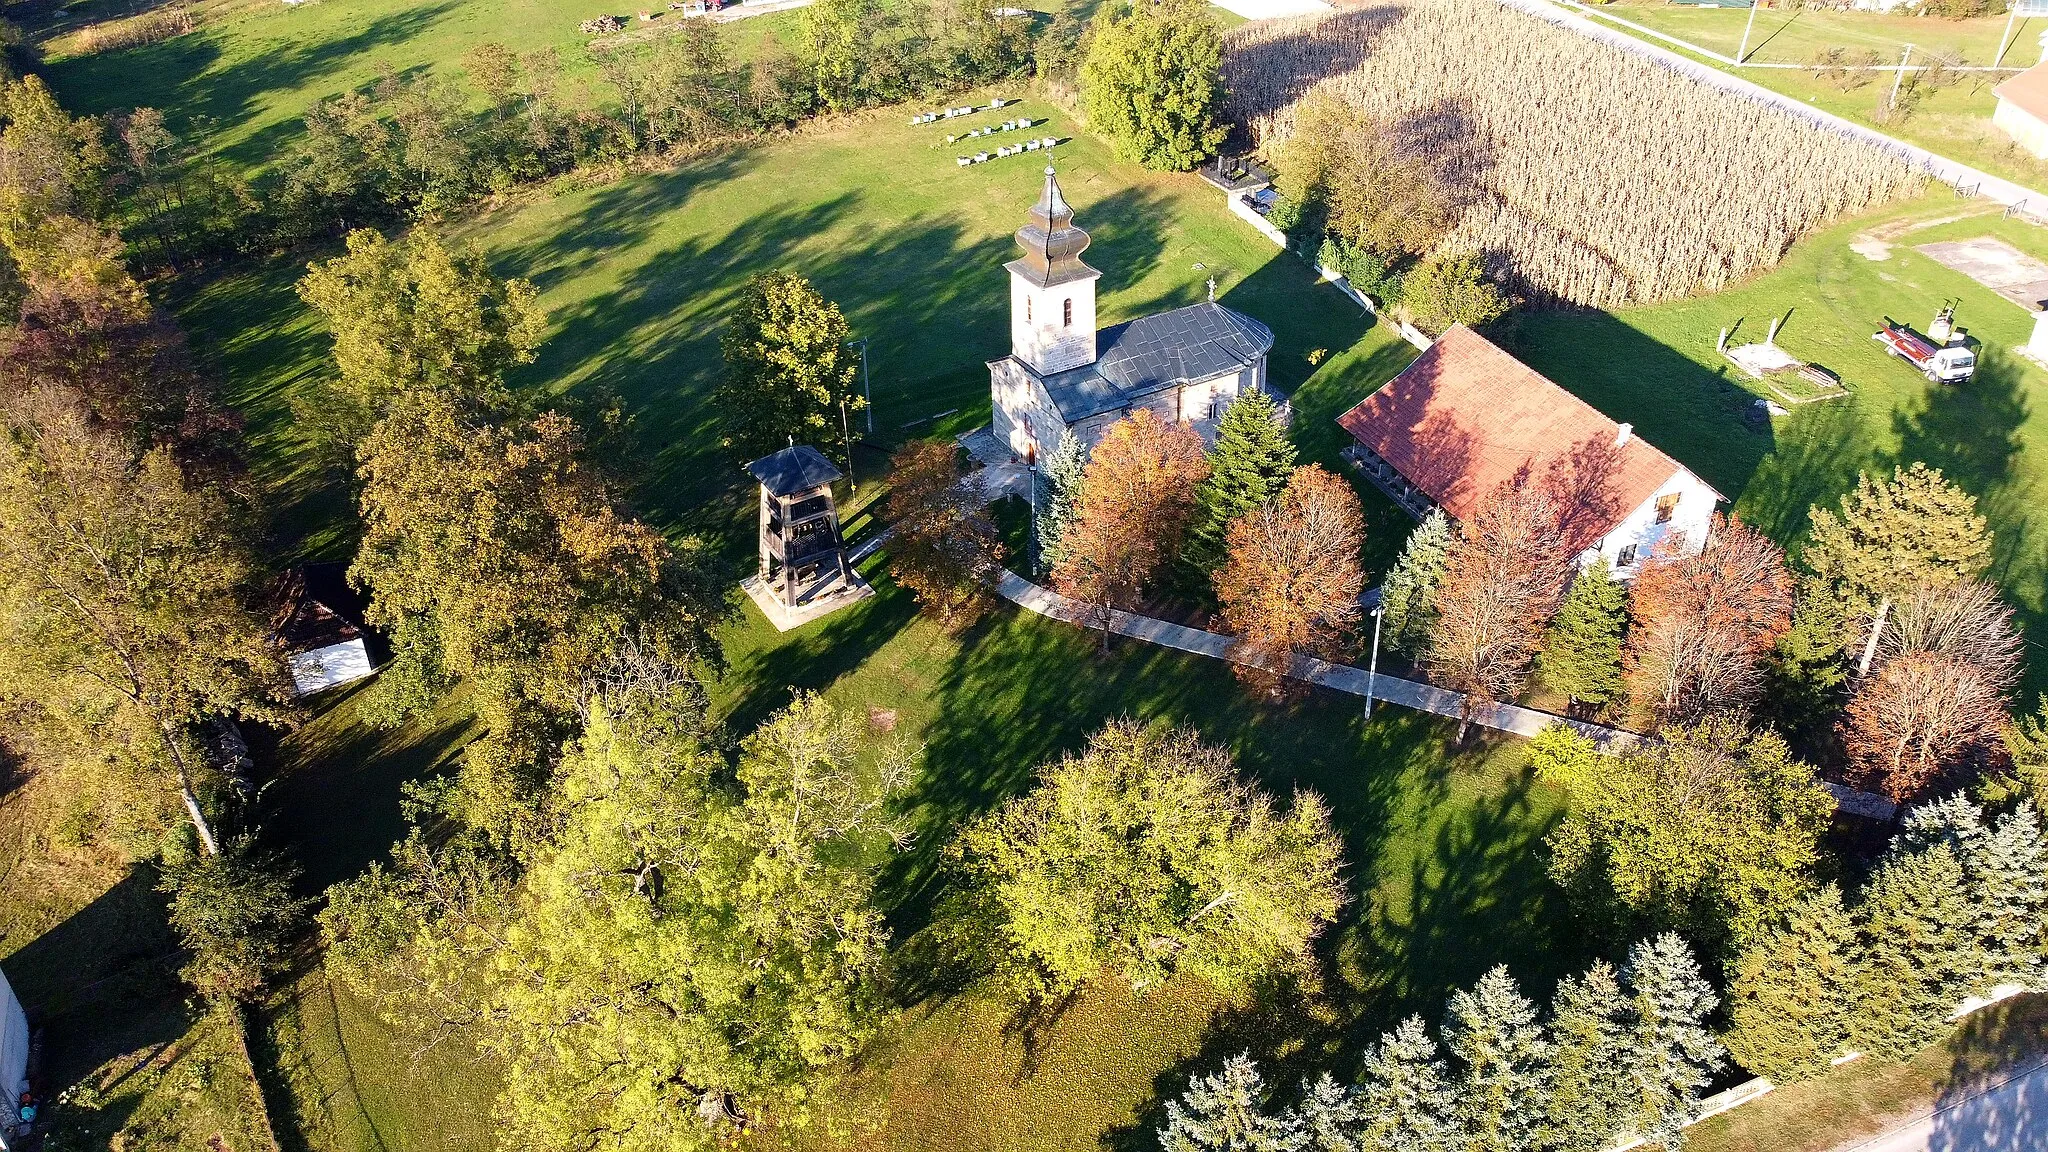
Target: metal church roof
(1143, 356)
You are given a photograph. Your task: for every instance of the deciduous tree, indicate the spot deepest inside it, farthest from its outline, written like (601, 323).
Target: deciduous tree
(943, 548)
(1152, 82)
(1373, 193)
(789, 372)
(1789, 992)
(1137, 495)
(1502, 580)
(1291, 584)
(1581, 654)
(1704, 622)
(1919, 717)
(1449, 289)
(1249, 465)
(1145, 857)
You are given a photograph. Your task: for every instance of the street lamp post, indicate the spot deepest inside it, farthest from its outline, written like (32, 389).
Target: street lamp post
(1031, 534)
(866, 392)
(1372, 670)
(846, 434)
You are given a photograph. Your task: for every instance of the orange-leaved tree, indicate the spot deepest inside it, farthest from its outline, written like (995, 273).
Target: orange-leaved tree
(944, 548)
(1291, 579)
(1702, 623)
(1502, 582)
(1137, 496)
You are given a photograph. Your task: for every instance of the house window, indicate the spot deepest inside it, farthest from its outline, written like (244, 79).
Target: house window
(1067, 308)
(1666, 507)
(1627, 557)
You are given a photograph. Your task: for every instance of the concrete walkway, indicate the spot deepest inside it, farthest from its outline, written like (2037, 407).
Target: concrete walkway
(1960, 176)
(2008, 1115)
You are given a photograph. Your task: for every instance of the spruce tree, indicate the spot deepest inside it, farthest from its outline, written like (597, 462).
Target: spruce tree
(1408, 594)
(1059, 490)
(2002, 880)
(1249, 466)
(1590, 1087)
(1919, 951)
(1226, 1111)
(1581, 654)
(1671, 1052)
(1788, 1002)
(1329, 1116)
(1405, 1101)
(1503, 1090)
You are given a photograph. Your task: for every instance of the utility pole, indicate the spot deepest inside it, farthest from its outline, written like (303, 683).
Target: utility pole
(1372, 670)
(2005, 37)
(1900, 77)
(866, 392)
(1742, 53)
(846, 433)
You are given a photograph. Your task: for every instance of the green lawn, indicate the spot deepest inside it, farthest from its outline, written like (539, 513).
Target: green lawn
(1657, 368)
(1953, 120)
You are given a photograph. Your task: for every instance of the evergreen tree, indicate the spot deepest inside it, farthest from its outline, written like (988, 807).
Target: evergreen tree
(1249, 466)
(1152, 83)
(1408, 595)
(1590, 1087)
(1059, 490)
(1405, 1101)
(1919, 951)
(2003, 881)
(1671, 1052)
(1502, 1093)
(1329, 1116)
(1788, 1002)
(1225, 1112)
(1581, 654)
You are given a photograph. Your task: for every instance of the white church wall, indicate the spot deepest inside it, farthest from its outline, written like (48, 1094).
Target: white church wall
(1041, 333)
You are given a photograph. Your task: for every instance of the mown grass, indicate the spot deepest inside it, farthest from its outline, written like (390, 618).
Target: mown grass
(1953, 120)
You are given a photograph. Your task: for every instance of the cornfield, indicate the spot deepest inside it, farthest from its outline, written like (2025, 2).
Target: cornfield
(148, 28)
(1586, 174)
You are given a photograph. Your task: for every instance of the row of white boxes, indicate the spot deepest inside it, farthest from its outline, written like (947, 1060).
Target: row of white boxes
(1008, 150)
(955, 113)
(992, 129)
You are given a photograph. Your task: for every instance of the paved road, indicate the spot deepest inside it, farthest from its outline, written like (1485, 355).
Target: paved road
(2007, 1115)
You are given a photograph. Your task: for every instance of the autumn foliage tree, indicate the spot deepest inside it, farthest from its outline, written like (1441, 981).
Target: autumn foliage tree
(1502, 581)
(944, 548)
(1137, 497)
(1704, 622)
(1290, 585)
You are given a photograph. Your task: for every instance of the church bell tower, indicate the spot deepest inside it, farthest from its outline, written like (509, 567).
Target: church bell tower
(1052, 294)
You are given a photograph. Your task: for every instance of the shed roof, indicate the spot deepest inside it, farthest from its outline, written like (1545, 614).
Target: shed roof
(798, 468)
(2027, 91)
(1142, 356)
(1466, 418)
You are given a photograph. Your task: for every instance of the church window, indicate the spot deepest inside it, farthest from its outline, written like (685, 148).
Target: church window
(1067, 309)
(1027, 309)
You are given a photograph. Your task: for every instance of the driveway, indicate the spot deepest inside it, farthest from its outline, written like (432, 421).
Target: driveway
(2009, 1114)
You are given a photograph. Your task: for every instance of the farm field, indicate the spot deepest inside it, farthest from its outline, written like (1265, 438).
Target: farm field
(1953, 120)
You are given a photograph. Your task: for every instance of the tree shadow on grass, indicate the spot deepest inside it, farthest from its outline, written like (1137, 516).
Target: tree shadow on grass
(1989, 1101)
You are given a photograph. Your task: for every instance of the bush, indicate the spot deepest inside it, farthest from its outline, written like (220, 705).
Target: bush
(1447, 290)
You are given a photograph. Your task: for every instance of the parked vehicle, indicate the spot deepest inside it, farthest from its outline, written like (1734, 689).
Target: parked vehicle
(1943, 363)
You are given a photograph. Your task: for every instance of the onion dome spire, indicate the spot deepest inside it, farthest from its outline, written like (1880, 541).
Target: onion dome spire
(1051, 242)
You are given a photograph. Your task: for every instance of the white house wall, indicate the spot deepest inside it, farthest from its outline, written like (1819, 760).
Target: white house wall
(1693, 516)
(329, 667)
(2026, 131)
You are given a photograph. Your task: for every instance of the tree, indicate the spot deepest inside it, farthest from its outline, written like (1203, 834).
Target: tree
(2005, 884)
(1152, 83)
(499, 556)
(1146, 857)
(1291, 584)
(1408, 594)
(691, 953)
(1059, 479)
(236, 914)
(1703, 623)
(2026, 747)
(789, 372)
(1581, 654)
(1914, 530)
(1250, 465)
(1503, 1092)
(1344, 169)
(1710, 830)
(1804, 673)
(123, 609)
(1918, 718)
(1329, 1116)
(1591, 1092)
(1405, 1099)
(1671, 1053)
(1225, 1112)
(418, 315)
(836, 47)
(1502, 580)
(943, 548)
(1789, 991)
(1446, 290)
(1137, 495)
(1919, 952)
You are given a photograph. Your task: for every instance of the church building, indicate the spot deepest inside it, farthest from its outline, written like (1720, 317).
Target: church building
(1063, 376)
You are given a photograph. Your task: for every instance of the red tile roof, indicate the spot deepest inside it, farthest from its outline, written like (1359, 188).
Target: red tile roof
(2028, 91)
(1466, 418)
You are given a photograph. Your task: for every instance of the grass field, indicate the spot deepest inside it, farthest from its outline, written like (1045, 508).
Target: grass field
(1953, 120)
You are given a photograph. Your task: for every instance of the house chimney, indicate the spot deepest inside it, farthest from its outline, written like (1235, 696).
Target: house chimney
(1622, 434)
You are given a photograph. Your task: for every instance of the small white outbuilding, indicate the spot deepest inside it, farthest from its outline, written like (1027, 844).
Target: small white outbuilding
(2023, 109)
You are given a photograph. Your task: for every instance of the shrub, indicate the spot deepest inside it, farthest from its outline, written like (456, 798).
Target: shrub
(1452, 289)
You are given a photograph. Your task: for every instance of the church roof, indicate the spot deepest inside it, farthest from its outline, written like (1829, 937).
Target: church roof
(1143, 356)
(1052, 242)
(795, 469)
